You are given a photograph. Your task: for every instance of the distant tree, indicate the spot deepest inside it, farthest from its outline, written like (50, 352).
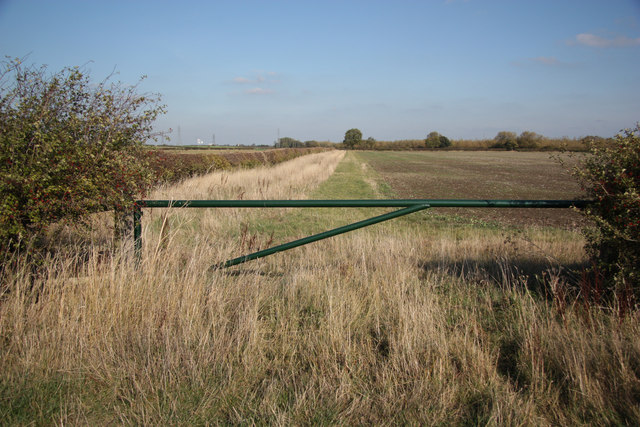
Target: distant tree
(369, 143)
(432, 140)
(288, 142)
(435, 140)
(505, 139)
(444, 142)
(528, 139)
(352, 138)
(311, 144)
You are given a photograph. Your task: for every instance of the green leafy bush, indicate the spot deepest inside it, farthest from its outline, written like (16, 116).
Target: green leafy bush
(369, 143)
(68, 147)
(444, 142)
(506, 140)
(432, 140)
(530, 140)
(435, 140)
(611, 177)
(287, 142)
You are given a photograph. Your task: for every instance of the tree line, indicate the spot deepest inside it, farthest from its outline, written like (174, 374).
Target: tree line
(288, 142)
(504, 140)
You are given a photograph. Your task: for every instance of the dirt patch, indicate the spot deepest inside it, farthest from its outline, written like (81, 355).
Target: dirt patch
(483, 175)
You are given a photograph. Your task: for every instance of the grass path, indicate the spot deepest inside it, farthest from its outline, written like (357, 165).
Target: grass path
(352, 179)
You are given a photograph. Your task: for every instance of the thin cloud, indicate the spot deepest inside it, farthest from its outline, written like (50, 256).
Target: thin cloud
(258, 91)
(259, 79)
(546, 60)
(592, 40)
(257, 82)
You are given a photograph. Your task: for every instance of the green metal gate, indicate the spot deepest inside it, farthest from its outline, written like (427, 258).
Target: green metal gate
(407, 206)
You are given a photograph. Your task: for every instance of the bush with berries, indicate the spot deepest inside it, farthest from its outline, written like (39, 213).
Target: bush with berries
(610, 174)
(68, 147)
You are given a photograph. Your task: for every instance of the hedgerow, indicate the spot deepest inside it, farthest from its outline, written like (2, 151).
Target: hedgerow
(168, 166)
(610, 175)
(68, 147)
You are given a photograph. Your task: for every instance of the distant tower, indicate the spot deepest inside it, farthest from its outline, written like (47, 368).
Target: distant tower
(213, 139)
(179, 136)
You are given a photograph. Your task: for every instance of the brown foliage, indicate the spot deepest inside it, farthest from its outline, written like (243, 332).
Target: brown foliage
(170, 166)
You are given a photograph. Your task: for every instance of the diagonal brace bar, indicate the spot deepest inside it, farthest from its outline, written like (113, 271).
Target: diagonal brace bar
(323, 235)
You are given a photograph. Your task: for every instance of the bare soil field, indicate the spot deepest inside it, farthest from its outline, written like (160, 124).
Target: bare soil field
(483, 175)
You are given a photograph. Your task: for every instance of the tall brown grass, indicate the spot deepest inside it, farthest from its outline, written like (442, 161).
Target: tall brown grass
(393, 324)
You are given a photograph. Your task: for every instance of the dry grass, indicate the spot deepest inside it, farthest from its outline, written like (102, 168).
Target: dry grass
(400, 323)
(290, 180)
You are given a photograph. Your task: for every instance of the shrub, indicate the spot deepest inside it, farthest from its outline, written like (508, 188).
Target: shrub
(611, 176)
(444, 142)
(369, 143)
(507, 140)
(435, 140)
(432, 140)
(287, 142)
(68, 147)
(528, 139)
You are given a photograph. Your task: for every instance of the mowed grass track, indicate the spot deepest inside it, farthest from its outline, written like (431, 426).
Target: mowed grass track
(423, 320)
(482, 175)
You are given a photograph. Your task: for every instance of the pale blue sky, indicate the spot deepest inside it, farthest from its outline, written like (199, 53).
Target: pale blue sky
(313, 69)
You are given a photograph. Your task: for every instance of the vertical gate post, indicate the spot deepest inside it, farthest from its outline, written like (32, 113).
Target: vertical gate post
(137, 232)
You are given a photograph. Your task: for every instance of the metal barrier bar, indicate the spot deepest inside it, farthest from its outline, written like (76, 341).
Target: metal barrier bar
(362, 203)
(409, 206)
(323, 235)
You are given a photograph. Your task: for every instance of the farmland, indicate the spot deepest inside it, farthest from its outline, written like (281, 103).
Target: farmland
(482, 175)
(435, 318)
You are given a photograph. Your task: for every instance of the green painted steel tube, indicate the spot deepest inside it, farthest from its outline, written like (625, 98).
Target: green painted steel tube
(363, 203)
(409, 205)
(323, 235)
(137, 232)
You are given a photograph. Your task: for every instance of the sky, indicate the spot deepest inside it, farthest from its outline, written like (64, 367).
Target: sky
(246, 72)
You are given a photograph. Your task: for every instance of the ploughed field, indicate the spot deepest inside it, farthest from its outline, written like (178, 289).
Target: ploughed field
(483, 175)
